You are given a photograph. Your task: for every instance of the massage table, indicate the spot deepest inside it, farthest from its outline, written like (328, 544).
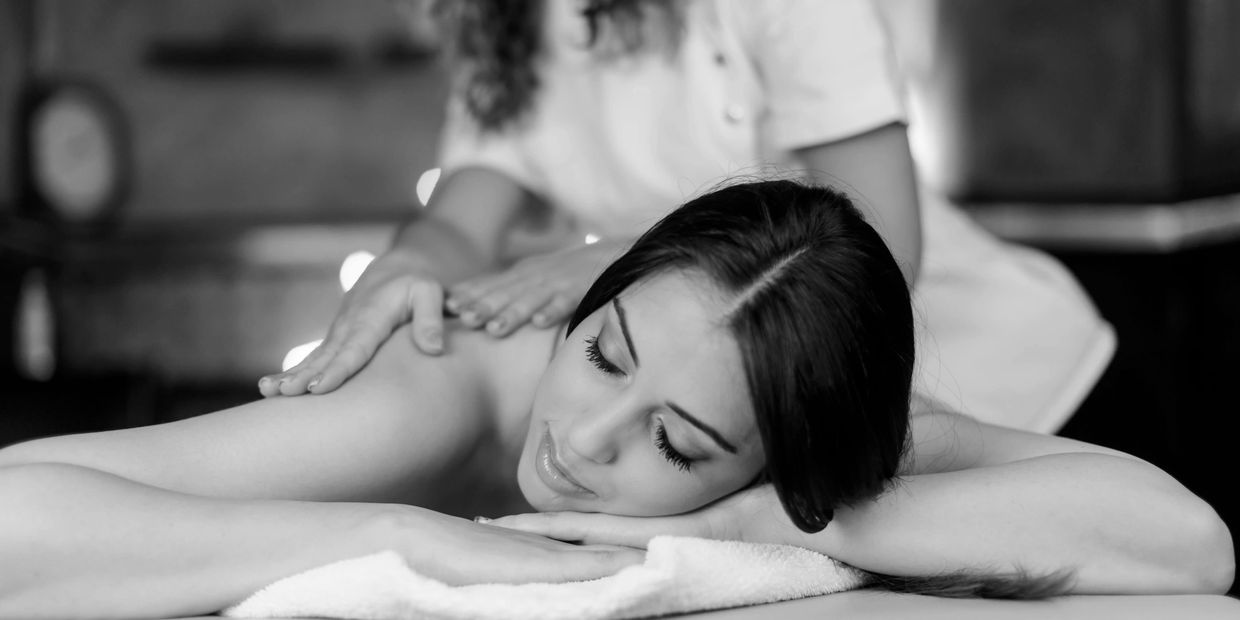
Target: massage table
(877, 605)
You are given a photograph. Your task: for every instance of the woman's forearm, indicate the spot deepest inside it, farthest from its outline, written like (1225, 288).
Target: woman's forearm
(1119, 524)
(78, 542)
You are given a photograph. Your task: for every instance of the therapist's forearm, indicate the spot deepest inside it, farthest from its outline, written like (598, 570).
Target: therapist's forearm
(1120, 524)
(76, 542)
(877, 168)
(461, 232)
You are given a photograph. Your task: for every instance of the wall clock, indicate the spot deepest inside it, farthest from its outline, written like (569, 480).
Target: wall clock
(77, 157)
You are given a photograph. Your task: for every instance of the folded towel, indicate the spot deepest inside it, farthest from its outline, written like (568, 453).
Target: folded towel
(679, 575)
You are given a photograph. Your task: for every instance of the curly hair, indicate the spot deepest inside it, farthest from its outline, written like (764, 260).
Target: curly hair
(495, 45)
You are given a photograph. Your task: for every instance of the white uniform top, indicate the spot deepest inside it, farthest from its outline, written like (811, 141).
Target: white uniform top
(616, 142)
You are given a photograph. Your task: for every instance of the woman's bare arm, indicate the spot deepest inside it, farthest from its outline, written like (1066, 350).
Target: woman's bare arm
(990, 499)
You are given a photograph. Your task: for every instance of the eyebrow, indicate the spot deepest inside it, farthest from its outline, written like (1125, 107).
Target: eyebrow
(702, 426)
(624, 328)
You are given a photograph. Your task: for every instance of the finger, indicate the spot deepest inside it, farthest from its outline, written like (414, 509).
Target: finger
(426, 300)
(483, 309)
(517, 313)
(268, 386)
(462, 294)
(348, 353)
(554, 312)
(285, 383)
(600, 562)
(344, 364)
(587, 528)
(306, 376)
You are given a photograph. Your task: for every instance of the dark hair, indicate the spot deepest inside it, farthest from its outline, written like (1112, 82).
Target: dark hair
(494, 45)
(822, 314)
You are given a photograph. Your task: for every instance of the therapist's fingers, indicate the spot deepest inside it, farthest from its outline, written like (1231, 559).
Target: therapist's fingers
(351, 341)
(486, 307)
(462, 299)
(518, 312)
(294, 380)
(287, 383)
(557, 309)
(426, 302)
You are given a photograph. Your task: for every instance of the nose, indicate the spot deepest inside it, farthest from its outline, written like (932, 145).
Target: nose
(596, 435)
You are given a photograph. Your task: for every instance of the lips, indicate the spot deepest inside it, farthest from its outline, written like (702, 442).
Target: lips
(552, 472)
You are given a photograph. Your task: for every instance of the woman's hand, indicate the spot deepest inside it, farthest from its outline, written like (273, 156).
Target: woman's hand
(740, 516)
(459, 552)
(392, 291)
(542, 290)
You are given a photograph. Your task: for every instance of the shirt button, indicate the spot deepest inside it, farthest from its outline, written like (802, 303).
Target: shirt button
(734, 113)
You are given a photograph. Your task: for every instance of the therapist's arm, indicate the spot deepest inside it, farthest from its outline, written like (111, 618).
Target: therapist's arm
(877, 168)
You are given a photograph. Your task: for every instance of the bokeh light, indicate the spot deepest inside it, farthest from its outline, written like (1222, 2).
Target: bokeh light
(353, 267)
(298, 353)
(426, 185)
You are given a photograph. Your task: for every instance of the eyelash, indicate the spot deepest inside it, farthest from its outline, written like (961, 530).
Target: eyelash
(681, 461)
(661, 442)
(595, 355)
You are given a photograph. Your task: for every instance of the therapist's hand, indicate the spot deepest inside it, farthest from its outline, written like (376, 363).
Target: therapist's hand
(391, 292)
(541, 290)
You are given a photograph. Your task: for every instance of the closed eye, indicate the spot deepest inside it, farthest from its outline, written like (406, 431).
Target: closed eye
(673, 456)
(600, 361)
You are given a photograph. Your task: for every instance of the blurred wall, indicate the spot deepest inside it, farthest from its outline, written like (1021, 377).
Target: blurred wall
(255, 111)
(12, 60)
(270, 139)
(1070, 101)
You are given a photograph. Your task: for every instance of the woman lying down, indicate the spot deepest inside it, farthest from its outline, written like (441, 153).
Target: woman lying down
(742, 372)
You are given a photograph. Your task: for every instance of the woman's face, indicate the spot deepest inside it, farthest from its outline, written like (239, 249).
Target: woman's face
(644, 409)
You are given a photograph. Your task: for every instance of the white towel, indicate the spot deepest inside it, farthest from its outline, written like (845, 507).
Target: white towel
(679, 575)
